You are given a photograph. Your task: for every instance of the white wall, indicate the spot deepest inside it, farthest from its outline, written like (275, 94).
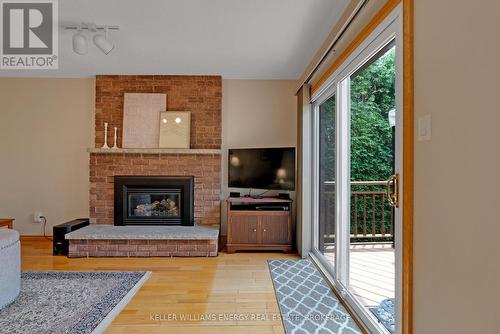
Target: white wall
(46, 126)
(457, 220)
(256, 113)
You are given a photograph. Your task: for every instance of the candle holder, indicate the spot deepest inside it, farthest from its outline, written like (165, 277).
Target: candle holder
(115, 139)
(105, 136)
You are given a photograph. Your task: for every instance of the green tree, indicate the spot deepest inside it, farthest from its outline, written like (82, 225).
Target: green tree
(372, 97)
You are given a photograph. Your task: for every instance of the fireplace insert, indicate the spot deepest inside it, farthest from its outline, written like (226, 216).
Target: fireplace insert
(154, 200)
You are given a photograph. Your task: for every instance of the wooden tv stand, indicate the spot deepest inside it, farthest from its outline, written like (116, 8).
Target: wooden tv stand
(259, 224)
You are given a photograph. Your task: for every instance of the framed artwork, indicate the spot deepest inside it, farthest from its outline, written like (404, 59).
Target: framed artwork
(175, 129)
(141, 113)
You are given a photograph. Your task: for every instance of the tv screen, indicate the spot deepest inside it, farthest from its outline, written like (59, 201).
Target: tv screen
(262, 168)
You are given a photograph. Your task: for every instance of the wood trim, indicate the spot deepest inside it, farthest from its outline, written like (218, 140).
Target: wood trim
(365, 32)
(408, 163)
(408, 139)
(232, 248)
(34, 238)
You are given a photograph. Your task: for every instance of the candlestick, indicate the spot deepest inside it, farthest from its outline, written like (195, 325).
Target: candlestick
(105, 136)
(116, 132)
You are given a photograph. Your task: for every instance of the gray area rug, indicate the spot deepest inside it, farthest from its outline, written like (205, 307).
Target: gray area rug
(69, 302)
(306, 301)
(385, 314)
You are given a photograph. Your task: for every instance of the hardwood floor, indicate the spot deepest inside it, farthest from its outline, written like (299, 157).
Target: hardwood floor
(227, 288)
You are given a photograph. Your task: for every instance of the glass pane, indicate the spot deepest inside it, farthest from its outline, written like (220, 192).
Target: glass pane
(371, 258)
(327, 162)
(144, 204)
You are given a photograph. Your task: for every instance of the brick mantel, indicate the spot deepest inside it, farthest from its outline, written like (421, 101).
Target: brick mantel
(202, 95)
(153, 151)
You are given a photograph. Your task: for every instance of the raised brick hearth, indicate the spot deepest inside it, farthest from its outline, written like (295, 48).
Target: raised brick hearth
(142, 241)
(142, 248)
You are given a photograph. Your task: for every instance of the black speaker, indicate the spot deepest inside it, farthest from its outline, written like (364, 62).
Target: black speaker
(60, 244)
(284, 196)
(234, 194)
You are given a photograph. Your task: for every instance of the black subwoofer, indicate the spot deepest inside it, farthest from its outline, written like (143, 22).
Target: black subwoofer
(60, 244)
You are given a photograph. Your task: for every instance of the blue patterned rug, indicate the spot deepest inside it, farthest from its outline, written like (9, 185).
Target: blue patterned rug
(385, 314)
(307, 303)
(69, 302)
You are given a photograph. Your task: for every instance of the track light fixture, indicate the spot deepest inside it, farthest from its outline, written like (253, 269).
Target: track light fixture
(80, 45)
(101, 41)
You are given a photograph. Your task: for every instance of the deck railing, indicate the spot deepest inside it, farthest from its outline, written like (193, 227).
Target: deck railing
(371, 214)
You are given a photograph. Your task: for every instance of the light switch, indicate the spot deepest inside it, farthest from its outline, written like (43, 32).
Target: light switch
(424, 128)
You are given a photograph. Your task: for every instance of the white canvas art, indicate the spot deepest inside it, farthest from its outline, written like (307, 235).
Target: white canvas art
(175, 129)
(141, 113)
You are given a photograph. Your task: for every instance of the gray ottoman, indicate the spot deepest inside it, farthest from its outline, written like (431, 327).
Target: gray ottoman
(10, 263)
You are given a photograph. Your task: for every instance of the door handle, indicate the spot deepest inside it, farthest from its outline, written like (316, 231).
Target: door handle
(393, 197)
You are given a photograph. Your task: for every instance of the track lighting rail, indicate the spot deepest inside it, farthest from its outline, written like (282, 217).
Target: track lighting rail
(92, 28)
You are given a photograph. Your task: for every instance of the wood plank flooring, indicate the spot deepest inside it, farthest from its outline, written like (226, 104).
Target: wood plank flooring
(211, 295)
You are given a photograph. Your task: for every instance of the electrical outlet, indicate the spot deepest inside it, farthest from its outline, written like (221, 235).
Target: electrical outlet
(38, 217)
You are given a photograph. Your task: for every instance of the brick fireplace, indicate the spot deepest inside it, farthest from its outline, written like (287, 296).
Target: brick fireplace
(201, 164)
(205, 169)
(202, 96)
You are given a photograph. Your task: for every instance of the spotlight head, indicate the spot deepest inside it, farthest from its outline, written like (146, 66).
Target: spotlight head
(80, 45)
(103, 44)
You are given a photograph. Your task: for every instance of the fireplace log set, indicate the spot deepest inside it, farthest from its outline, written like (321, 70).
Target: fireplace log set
(165, 207)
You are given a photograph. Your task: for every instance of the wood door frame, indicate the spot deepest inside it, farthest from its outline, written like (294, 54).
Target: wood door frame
(408, 138)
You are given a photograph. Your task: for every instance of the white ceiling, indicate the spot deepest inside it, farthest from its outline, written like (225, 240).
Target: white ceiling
(238, 39)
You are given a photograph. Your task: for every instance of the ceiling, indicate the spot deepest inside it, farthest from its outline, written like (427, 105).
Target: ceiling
(238, 39)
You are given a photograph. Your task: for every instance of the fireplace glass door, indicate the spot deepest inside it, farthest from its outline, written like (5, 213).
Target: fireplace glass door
(154, 203)
(154, 200)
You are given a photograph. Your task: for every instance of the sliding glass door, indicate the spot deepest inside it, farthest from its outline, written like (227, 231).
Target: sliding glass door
(357, 162)
(326, 174)
(372, 166)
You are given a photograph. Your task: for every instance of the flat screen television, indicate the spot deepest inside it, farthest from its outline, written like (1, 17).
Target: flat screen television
(262, 168)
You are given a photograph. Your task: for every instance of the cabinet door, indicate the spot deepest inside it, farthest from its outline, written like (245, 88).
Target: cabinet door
(274, 229)
(244, 229)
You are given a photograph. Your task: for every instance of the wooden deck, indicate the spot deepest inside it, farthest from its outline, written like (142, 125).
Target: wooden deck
(372, 276)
